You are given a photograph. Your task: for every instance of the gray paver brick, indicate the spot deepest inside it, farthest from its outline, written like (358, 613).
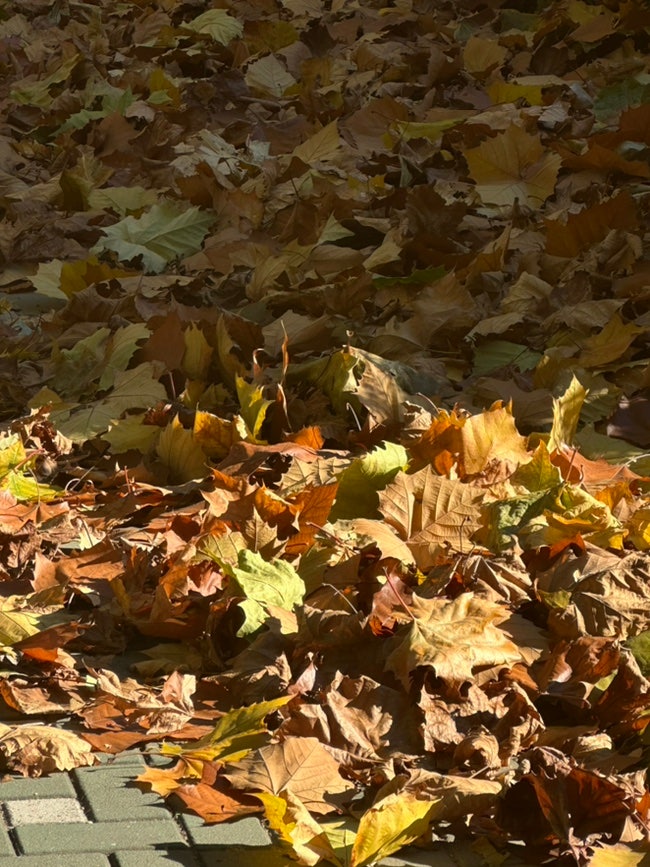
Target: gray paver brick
(155, 859)
(86, 859)
(6, 846)
(248, 832)
(29, 811)
(111, 795)
(245, 856)
(102, 837)
(56, 786)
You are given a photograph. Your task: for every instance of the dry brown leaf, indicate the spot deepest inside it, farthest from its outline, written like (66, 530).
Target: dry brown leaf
(36, 750)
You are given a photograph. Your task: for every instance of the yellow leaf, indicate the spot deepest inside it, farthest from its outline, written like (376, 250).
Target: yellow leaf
(323, 146)
(198, 353)
(253, 405)
(610, 344)
(164, 781)
(566, 415)
(492, 438)
(513, 166)
(215, 435)
(292, 822)
(505, 91)
(397, 820)
(234, 736)
(638, 528)
(180, 453)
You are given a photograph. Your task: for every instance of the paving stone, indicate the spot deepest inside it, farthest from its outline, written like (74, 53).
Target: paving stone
(56, 786)
(102, 837)
(245, 856)
(6, 846)
(244, 832)
(111, 794)
(86, 859)
(31, 811)
(154, 859)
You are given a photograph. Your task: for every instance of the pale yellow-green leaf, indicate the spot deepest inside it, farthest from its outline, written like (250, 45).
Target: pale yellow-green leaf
(122, 200)
(253, 405)
(25, 488)
(180, 453)
(269, 76)
(198, 353)
(38, 93)
(218, 24)
(566, 415)
(432, 130)
(165, 232)
(320, 147)
(134, 389)
(122, 345)
(237, 733)
(12, 453)
(263, 584)
(131, 433)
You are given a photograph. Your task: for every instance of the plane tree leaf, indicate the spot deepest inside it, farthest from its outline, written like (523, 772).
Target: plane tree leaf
(451, 638)
(163, 233)
(513, 165)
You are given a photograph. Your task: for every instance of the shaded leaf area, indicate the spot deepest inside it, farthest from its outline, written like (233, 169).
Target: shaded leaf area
(324, 397)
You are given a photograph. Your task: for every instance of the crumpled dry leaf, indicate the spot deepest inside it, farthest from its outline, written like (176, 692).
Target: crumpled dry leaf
(35, 750)
(451, 638)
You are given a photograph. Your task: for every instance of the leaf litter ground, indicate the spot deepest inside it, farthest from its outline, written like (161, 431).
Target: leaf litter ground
(325, 398)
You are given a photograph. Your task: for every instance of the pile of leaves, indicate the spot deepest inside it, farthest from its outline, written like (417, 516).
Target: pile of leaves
(325, 379)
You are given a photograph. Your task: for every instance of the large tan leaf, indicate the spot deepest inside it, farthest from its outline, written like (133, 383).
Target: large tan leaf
(429, 510)
(35, 750)
(452, 638)
(301, 765)
(513, 165)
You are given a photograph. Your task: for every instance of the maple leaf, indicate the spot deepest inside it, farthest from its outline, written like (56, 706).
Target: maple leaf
(162, 234)
(301, 765)
(452, 638)
(513, 166)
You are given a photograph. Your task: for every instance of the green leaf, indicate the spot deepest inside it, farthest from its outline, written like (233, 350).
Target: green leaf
(218, 24)
(253, 405)
(432, 130)
(39, 92)
(640, 647)
(163, 233)
(122, 200)
(539, 474)
(275, 583)
(494, 354)
(359, 483)
(422, 277)
(234, 736)
(134, 389)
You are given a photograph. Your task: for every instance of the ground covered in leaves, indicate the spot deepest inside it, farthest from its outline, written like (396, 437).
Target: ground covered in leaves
(324, 387)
